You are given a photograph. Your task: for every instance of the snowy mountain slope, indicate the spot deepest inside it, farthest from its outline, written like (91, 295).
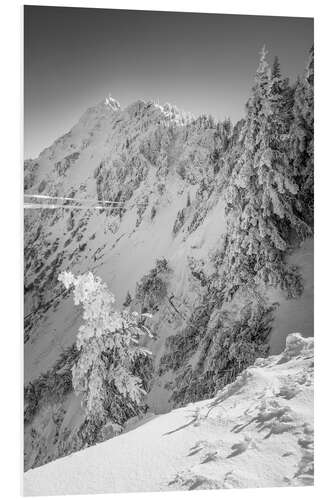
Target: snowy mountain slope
(160, 164)
(98, 240)
(256, 432)
(134, 156)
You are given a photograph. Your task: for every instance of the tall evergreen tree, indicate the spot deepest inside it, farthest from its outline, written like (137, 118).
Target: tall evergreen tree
(262, 192)
(242, 245)
(302, 138)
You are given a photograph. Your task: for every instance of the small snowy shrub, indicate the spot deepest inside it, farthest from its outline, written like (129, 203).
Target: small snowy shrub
(70, 221)
(141, 209)
(188, 201)
(50, 387)
(152, 213)
(108, 347)
(128, 300)
(152, 288)
(42, 186)
(161, 188)
(179, 222)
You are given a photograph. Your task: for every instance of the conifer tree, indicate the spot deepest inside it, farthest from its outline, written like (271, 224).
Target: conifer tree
(128, 300)
(108, 348)
(242, 245)
(274, 165)
(262, 193)
(302, 139)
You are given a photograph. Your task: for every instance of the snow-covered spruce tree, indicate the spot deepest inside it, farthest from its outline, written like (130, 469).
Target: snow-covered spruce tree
(241, 194)
(277, 183)
(108, 349)
(224, 344)
(221, 138)
(262, 193)
(302, 138)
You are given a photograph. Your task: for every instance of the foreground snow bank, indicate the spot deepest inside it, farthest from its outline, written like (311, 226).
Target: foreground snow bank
(256, 432)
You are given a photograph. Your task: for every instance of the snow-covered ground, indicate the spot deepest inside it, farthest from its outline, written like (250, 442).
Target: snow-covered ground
(256, 432)
(135, 156)
(296, 314)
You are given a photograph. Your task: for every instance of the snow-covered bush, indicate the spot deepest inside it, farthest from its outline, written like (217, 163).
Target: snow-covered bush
(179, 222)
(41, 186)
(128, 300)
(50, 387)
(302, 139)
(196, 267)
(142, 207)
(108, 346)
(30, 172)
(152, 288)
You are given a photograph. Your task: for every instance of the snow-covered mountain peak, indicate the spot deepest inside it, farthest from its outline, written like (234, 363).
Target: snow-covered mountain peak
(157, 112)
(111, 103)
(104, 109)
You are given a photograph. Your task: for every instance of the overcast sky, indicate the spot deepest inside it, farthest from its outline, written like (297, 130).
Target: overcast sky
(201, 62)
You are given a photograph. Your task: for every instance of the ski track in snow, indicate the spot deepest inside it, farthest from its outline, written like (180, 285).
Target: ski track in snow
(256, 432)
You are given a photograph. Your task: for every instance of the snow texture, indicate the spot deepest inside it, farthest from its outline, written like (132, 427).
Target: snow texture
(256, 432)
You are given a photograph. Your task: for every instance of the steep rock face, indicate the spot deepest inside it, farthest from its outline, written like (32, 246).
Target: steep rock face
(165, 174)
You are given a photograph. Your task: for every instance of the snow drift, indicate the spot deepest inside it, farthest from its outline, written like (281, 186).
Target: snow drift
(256, 432)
